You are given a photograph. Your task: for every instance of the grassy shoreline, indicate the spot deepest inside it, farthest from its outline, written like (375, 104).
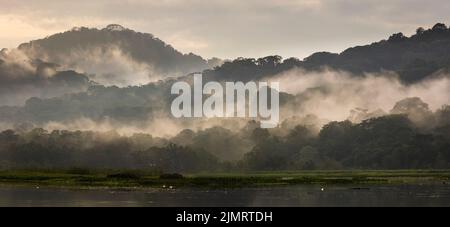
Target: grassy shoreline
(138, 179)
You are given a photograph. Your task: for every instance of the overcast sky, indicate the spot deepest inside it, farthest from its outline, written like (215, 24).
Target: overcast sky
(229, 28)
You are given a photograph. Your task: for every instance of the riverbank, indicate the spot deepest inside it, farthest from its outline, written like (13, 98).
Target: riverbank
(135, 179)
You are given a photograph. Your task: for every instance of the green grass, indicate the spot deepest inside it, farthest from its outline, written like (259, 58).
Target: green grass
(135, 179)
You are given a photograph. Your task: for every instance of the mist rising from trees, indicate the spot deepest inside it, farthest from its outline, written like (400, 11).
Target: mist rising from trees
(380, 106)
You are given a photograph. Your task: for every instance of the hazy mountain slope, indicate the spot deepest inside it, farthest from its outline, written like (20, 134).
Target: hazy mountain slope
(327, 94)
(118, 56)
(22, 78)
(413, 58)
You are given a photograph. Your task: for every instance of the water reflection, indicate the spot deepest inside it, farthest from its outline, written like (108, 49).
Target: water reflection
(304, 195)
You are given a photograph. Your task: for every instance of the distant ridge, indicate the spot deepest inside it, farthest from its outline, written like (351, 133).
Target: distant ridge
(414, 58)
(142, 48)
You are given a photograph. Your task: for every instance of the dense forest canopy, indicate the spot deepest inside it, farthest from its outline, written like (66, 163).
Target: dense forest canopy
(379, 106)
(393, 141)
(75, 48)
(413, 58)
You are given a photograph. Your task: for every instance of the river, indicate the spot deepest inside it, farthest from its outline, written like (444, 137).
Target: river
(301, 195)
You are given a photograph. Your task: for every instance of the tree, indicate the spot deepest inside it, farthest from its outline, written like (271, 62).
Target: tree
(439, 27)
(336, 139)
(397, 37)
(270, 61)
(308, 158)
(260, 135)
(420, 31)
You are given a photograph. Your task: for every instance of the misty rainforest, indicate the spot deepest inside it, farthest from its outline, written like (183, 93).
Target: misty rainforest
(90, 108)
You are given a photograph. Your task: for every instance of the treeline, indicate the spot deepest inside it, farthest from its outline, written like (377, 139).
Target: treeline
(413, 58)
(389, 142)
(141, 47)
(64, 149)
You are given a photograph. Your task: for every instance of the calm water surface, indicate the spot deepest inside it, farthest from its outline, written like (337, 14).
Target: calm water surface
(303, 195)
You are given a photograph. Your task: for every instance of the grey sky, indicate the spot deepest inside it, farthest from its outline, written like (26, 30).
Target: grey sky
(229, 28)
